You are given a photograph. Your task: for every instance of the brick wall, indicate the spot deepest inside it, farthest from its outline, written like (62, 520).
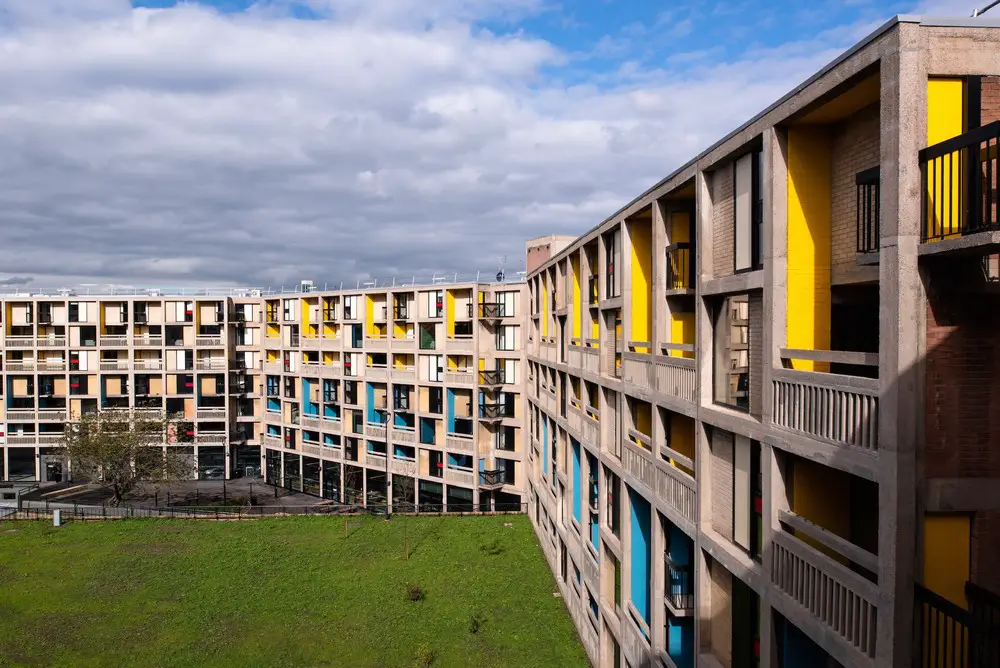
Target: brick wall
(855, 149)
(756, 307)
(722, 483)
(985, 548)
(723, 222)
(990, 103)
(962, 398)
(722, 614)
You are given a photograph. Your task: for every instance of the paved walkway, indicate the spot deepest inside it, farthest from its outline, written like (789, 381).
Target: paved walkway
(192, 493)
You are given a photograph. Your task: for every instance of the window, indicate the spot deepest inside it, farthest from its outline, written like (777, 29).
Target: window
(507, 337)
(76, 313)
(732, 352)
(611, 258)
(435, 303)
(749, 211)
(507, 301)
(288, 309)
(435, 368)
(351, 307)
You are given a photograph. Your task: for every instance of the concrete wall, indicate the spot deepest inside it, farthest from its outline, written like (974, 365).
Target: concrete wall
(723, 221)
(855, 148)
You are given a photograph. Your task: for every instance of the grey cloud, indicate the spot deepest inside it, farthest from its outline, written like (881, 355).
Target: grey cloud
(183, 145)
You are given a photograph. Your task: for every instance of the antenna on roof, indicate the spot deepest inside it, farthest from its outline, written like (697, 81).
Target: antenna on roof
(502, 261)
(979, 12)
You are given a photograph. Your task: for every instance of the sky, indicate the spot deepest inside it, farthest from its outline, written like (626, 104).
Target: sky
(257, 143)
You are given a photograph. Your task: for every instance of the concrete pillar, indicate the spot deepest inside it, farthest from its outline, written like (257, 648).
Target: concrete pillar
(703, 316)
(903, 122)
(659, 313)
(38, 462)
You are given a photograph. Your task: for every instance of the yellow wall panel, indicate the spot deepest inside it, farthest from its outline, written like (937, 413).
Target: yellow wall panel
(809, 215)
(682, 331)
(947, 558)
(577, 303)
(450, 312)
(822, 495)
(640, 234)
(945, 119)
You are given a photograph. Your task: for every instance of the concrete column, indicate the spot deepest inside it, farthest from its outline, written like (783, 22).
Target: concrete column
(657, 584)
(775, 250)
(904, 131)
(703, 316)
(775, 500)
(38, 460)
(659, 313)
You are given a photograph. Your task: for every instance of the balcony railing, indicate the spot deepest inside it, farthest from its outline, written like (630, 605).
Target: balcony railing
(838, 409)
(491, 377)
(147, 341)
(115, 341)
(868, 199)
(493, 478)
(959, 193)
(490, 310)
(679, 595)
(208, 341)
(680, 270)
(493, 411)
(460, 377)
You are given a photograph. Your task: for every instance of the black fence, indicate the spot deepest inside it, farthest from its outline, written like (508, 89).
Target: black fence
(680, 270)
(949, 636)
(868, 217)
(959, 184)
(248, 512)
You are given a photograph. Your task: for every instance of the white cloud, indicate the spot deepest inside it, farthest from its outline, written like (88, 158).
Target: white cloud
(391, 137)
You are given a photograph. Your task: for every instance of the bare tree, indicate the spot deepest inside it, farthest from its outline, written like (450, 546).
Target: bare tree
(121, 450)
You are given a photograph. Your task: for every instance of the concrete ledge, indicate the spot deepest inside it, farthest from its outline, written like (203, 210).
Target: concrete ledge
(962, 494)
(970, 244)
(751, 280)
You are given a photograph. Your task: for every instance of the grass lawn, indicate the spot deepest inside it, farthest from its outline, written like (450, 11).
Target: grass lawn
(280, 592)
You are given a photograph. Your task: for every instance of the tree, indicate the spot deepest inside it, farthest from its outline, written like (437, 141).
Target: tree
(122, 450)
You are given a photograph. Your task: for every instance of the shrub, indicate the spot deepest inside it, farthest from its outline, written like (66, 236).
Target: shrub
(425, 656)
(414, 592)
(493, 549)
(475, 623)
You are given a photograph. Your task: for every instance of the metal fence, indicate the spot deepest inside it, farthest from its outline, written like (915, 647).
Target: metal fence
(949, 636)
(70, 513)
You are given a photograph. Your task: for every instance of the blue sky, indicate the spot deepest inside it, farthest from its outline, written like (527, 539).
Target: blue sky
(228, 142)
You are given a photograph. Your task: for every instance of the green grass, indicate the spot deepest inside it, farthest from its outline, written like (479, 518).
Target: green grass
(280, 592)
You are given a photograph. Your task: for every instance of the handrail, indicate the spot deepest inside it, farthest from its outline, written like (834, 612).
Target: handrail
(830, 356)
(831, 540)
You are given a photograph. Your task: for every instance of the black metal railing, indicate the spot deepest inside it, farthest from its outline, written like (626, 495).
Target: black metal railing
(680, 271)
(949, 636)
(592, 289)
(493, 411)
(491, 377)
(492, 310)
(329, 314)
(959, 184)
(680, 585)
(868, 200)
(402, 403)
(492, 478)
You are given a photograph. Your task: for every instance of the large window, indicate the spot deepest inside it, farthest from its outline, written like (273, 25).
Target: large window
(732, 352)
(749, 215)
(507, 337)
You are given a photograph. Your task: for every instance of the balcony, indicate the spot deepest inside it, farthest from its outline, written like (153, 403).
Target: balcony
(460, 344)
(114, 341)
(490, 311)
(679, 594)
(402, 434)
(147, 365)
(272, 440)
(148, 342)
(868, 206)
(460, 377)
(672, 376)
(459, 443)
(208, 341)
(838, 598)
(272, 367)
(51, 342)
(375, 460)
(959, 191)
(120, 365)
(404, 374)
(492, 478)
(329, 314)
(400, 311)
(52, 365)
(404, 466)
(376, 343)
(20, 366)
(211, 365)
(837, 409)
(376, 372)
(492, 378)
(211, 414)
(490, 412)
(375, 431)
(680, 269)
(591, 356)
(213, 438)
(310, 342)
(459, 475)
(15, 415)
(51, 415)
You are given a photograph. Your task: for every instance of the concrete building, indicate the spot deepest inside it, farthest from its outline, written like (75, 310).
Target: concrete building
(762, 393)
(313, 389)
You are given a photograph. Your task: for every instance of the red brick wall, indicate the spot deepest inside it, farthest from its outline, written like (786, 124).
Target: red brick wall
(985, 548)
(990, 106)
(962, 401)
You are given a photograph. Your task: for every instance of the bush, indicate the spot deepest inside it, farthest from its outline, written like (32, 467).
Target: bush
(414, 592)
(475, 623)
(425, 656)
(493, 549)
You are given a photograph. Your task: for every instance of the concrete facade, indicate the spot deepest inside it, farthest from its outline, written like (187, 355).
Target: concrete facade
(808, 446)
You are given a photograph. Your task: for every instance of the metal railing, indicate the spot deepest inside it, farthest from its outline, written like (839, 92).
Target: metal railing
(680, 585)
(493, 411)
(680, 270)
(868, 205)
(959, 184)
(949, 636)
(492, 478)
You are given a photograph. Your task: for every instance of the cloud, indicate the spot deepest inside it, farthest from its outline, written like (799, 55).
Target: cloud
(15, 281)
(380, 138)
